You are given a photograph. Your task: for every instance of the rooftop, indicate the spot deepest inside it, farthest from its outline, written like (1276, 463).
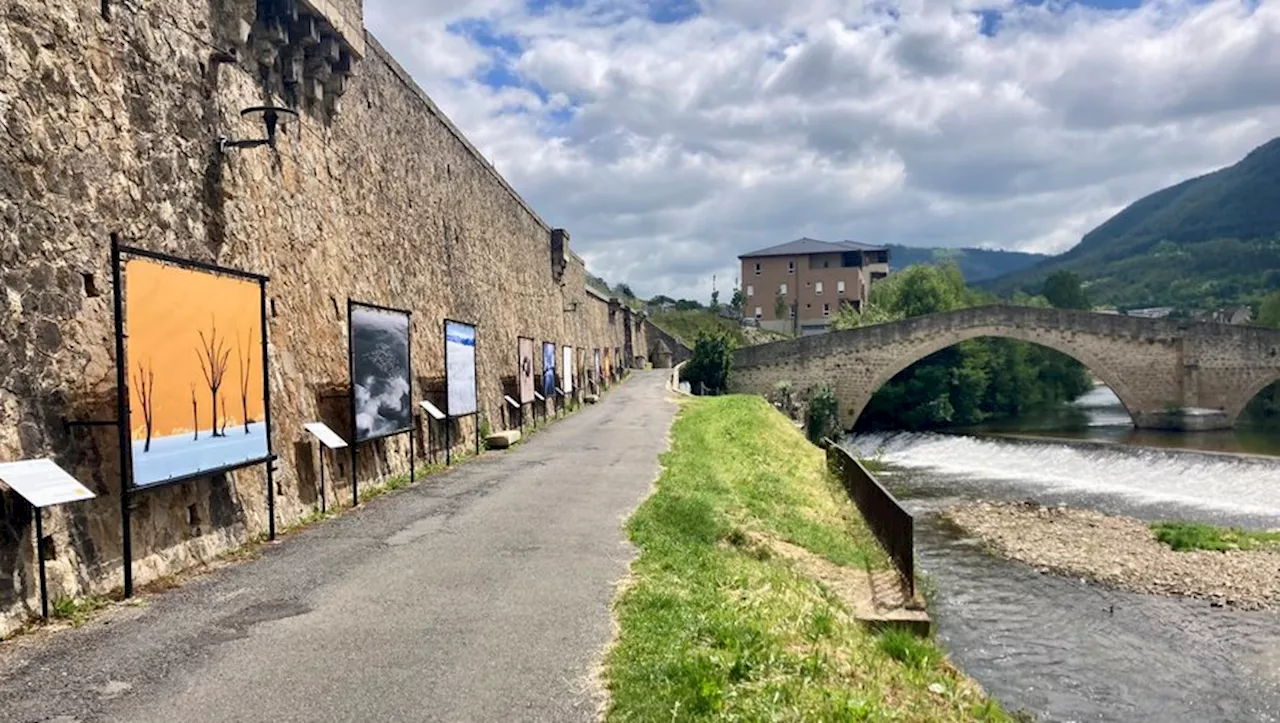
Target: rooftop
(804, 246)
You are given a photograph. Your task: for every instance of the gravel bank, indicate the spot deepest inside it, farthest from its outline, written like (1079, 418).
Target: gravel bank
(1119, 551)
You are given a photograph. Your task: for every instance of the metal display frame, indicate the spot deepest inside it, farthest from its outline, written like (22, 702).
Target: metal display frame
(537, 380)
(448, 416)
(351, 376)
(127, 487)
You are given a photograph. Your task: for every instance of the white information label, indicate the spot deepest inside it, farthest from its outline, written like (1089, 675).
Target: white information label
(327, 436)
(431, 409)
(538, 397)
(42, 482)
(561, 391)
(511, 401)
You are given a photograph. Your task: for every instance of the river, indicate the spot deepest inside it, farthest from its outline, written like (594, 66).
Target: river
(1063, 649)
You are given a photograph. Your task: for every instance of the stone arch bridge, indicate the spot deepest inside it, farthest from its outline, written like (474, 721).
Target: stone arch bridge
(1168, 374)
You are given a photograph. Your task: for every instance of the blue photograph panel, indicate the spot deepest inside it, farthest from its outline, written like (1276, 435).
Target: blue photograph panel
(548, 369)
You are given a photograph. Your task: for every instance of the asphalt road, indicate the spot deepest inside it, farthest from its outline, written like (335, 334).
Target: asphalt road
(481, 594)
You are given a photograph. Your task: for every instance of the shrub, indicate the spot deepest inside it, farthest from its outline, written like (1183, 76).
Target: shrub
(708, 370)
(823, 418)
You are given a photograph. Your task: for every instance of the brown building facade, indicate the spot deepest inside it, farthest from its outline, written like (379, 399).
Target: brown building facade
(798, 286)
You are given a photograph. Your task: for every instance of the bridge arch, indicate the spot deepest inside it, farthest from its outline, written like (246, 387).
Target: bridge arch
(1237, 406)
(859, 398)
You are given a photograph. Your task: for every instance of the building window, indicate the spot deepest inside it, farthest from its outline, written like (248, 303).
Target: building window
(782, 289)
(826, 310)
(757, 269)
(751, 291)
(817, 287)
(791, 267)
(877, 275)
(839, 287)
(759, 312)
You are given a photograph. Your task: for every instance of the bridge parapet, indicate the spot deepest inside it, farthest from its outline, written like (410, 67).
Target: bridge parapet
(1168, 374)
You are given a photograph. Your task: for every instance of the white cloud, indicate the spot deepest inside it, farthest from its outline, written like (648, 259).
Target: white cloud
(759, 121)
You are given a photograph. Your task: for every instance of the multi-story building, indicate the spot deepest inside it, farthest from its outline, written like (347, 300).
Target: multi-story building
(798, 286)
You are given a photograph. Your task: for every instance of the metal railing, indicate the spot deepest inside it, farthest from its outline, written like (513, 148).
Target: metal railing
(892, 525)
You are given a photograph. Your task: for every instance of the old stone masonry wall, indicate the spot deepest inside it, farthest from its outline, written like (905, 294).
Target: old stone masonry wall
(110, 112)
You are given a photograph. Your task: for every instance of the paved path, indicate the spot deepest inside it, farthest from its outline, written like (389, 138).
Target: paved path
(480, 595)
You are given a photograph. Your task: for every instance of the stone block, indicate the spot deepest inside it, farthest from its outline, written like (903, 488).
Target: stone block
(502, 440)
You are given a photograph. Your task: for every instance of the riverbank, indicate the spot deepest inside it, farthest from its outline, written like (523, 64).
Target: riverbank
(723, 619)
(1119, 551)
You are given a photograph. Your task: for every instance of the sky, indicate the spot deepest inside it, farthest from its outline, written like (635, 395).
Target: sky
(671, 136)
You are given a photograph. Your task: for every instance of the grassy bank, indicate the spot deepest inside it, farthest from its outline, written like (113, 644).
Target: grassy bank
(1186, 536)
(716, 624)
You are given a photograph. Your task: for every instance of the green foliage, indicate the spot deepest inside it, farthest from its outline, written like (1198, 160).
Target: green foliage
(709, 366)
(906, 648)
(1185, 536)
(1063, 290)
(1205, 243)
(716, 626)
(1269, 310)
(780, 307)
(77, 610)
(687, 326)
(738, 301)
(715, 301)
(823, 419)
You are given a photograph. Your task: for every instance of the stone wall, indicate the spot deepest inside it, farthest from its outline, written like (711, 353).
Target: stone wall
(1167, 374)
(110, 123)
(679, 352)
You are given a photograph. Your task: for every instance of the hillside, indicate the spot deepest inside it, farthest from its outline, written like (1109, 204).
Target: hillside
(687, 325)
(1208, 241)
(975, 264)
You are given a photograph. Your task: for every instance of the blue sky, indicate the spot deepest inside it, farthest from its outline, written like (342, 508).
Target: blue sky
(670, 136)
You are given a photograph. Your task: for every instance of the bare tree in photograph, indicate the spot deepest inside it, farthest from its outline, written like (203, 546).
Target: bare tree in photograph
(213, 363)
(195, 412)
(244, 354)
(145, 381)
(224, 416)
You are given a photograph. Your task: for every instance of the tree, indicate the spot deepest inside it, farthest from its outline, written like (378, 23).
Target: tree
(624, 290)
(213, 357)
(1269, 310)
(145, 381)
(780, 307)
(738, 302)
(195, 412)
(1064, 291)
(708, 368)
(715, 301)
(687, 305)
(244, 355)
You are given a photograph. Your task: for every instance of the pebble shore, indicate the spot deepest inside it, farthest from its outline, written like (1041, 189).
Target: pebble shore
(1119, 551)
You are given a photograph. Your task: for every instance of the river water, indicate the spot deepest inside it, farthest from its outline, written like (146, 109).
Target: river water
(1063, 649)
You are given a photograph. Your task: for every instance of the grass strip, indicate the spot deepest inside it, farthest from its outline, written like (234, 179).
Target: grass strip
(1187, 536)
(713, 626)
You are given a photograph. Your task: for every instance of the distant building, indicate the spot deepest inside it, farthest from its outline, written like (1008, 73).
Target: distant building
(1233, 315)
(813, 278)
(1155, 312)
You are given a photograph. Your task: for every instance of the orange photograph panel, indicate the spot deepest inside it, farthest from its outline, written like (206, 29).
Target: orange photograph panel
(193, 343)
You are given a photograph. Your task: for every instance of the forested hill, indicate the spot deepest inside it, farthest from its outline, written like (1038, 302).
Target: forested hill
(975, 264)
(1206, 242)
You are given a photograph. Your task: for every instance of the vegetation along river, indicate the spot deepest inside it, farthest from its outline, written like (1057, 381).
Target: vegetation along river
(1066, 650)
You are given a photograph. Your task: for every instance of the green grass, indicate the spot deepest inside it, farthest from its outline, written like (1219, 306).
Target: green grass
(77, 610)
(687, 325)
(715, 626)
(1184, 536)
